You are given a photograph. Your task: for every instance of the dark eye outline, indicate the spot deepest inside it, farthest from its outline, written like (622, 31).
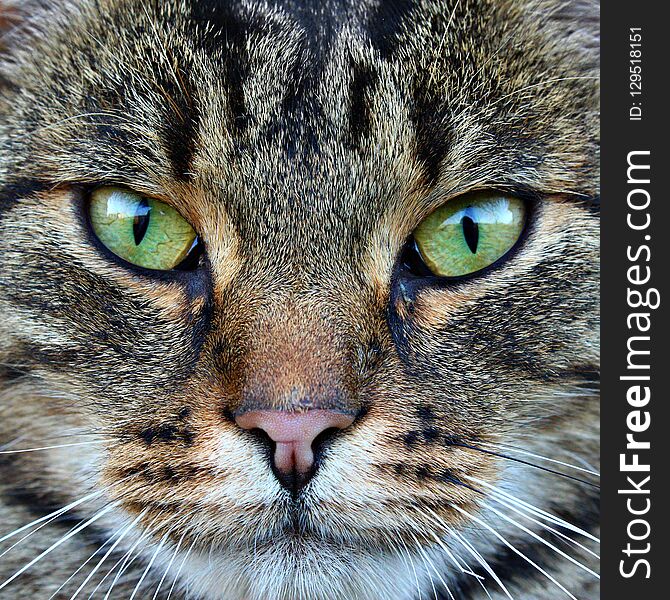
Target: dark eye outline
(412, 266)
(194, 262)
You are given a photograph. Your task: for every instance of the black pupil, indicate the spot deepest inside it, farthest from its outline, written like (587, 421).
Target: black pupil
(141, 221)
(470, 232)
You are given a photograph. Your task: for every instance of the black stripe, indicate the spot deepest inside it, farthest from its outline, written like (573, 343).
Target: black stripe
(180, 128)
(302, 110)
(300, 80)
(218, 23)
(35, 497)
(433, 136)
(591, 203)
(14, 190)
(300, 101)
(584, 374)
(360, 97)
(222, 33)
(9, 373)
(386, 23)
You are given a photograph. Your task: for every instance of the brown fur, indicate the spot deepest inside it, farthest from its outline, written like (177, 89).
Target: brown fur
(304, 145)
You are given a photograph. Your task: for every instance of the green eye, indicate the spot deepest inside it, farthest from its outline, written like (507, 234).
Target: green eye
(143, 231)
(468, 234)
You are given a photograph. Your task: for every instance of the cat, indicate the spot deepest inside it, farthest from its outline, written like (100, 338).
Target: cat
(299, 300)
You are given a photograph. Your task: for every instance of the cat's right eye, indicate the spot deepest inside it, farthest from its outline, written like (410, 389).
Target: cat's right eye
(143, 231)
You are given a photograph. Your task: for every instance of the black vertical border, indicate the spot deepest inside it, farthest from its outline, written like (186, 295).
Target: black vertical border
(619, 137)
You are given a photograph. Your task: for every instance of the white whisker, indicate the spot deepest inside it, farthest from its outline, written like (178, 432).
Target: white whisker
(25, 537)
(23, 451)
(55, 545)
(427, 561)
(476, 555)
(444, 37)
(53, 515)
(539, 84)
(448, 552)
(153, 558)
(88, 560)
(552, 460)
(425, 564)
(58, 123)
(181, 566)
(104, 558)
(542, 540)
(536, 511)
(514, 549)
(411, 562)
(510, 504)
(125, 561)
(169, 565)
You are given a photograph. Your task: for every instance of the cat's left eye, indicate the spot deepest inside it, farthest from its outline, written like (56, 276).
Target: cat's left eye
(470, 233)
(143, 231)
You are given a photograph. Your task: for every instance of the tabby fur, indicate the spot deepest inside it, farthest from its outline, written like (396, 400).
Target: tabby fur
(304, 141)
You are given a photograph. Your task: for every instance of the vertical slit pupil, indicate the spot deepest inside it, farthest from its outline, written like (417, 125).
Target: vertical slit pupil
(470, 232)
(141, 220)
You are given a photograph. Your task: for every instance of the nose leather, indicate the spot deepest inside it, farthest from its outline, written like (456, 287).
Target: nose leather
(293, 433)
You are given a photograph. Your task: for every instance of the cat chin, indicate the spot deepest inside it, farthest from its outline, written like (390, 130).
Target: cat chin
(284, 571)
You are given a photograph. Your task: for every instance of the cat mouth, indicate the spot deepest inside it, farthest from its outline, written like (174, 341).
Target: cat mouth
(293, 526)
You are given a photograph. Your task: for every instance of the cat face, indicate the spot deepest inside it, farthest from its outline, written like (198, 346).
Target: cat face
(304, 148)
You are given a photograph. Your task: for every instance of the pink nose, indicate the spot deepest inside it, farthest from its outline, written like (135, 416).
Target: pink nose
(293, 434)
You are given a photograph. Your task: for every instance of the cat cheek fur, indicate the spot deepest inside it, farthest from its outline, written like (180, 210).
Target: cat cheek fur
(304, 149)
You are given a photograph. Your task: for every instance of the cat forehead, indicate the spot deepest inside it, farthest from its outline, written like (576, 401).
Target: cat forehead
(297, 80)
(287, 107)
